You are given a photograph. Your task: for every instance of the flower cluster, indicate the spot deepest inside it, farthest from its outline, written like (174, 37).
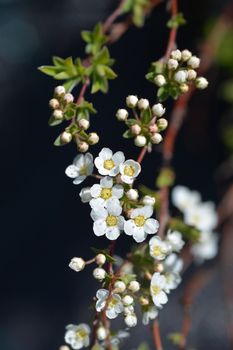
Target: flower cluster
(64, 109)
(114, 193)
(201, 215)
(174, 76)
(147, 122)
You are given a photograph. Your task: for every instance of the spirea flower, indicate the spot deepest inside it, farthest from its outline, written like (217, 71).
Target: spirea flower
(85, 194)
(108, 163)
(203, 216)
(206, 248)
(77, 264)
(78, 336)
(141, 224)
(81, 168)
(108, 221)
(114, 306)
(150, 314)
(172, 268)
(183, 198)
(158, 248)
(105, 190)
(129, 171)
(157, 286)
(175, 241)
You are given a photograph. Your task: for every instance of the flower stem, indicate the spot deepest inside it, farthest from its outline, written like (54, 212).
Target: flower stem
(142, 155)
(173, 32)
(157, 336)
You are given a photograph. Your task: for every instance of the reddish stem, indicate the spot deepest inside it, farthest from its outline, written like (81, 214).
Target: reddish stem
(142, 155)
(173, 32)
(157, 336)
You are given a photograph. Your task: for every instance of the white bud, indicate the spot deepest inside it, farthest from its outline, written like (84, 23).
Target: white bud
(132, 194)
(129, 310)
(101, 333)
(160, 80)
(127, 300)
(66, 137)
(68, 98)
(143, 103)
(158, 110)
(176, 55)
(148, 200)
(122, 114)
(83, 146)
(85, 194)
(140, 141)
(136, 129)
(186, 55)
(144, 301)
(131, 101)
(77, 264)
(172, 64)
(180, 76)
(192, 74)
(184, 88)
(58, 114)
(54, 103)
(194, 62)
(131, 320)
(153, 128)
(99, 273)
(162, 124)
(60, 90)
(119, 287)
(156, 138)
(93, 138)
(100, 259)
(134, 286)
(84, 124)
(201, 83)
(64, 347)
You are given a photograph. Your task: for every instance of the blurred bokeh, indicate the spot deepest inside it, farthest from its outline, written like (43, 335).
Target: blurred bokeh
(43, 223)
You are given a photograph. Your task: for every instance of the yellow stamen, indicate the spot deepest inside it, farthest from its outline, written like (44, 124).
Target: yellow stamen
(106, 193)
(155, 290)
(83, 170)
(109, 164)
(129, 170)
(111, 220)
(139, 220)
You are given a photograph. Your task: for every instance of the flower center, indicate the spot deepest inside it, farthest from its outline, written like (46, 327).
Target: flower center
(83, 170)
(106, 193)
(139, 220)
(129, 170)
(109, 164)
(156, 290)
(81, 334)
(112, 303)
(111, 220)
(157, 250)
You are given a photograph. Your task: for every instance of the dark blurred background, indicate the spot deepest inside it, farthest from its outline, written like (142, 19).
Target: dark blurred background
(43, 222)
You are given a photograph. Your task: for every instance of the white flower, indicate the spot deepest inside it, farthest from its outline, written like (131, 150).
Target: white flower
(141, 224)
(172, 64)
(158, 110)
(104, 191)
(134, 286)
(108, 163)
(183, 198)
(99, 273)
(203, 216)
(175, 241)
(131, 320)
(150, 314)
(176, 55)
(85, 194)
(172, 268)
(157, 286)
(77, 264)
(78, 336)
(206, 248)
(129, 171)
(108, 221)
(201, 83)
(114, 306)
(158, 248)
(81, 168)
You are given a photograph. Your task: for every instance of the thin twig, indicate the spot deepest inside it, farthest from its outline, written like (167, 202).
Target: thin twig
(156, 335)
(173, 32)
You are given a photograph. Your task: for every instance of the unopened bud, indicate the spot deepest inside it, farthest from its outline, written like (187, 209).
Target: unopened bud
(162, 124)
(127, 300)
(100, 259)
(77, 264)
(194, 62)
(68, 98)
(160, 80)
(159, 268)
(140, 141)
(54, 103)
(58, 114)
(192, 74)
(134, 286)
(66, 137)
(176, 55)
(156, 138)
(184, 88)
(122, 114)
(83, 146)
(158, 110)
(148, 200)
(119, 287)
(201, 83)
(144, 301)
(99, 273)
(180, 76)
(84, 124)
(186, 55)
(143, 103)
(60, 90)
(93, 138)
(135, 129)
(131, 101)
(172, 64)
(101, 333)
(131, 320)
(132, 194)
(153, 128)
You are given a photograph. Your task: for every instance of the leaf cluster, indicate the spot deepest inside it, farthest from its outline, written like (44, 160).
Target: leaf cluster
(137, 8)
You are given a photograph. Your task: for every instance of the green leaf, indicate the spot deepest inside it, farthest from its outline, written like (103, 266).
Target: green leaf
(143, 346)
(97, 347)
(70, 84)
(163, 93)
(128, 134)
(49, 70)
(176, 21)
(189, 232)
(137, 8)
(58, 141)
(95, 39)
(175, 338)
(146, 116)
(166, 178)
(53, 122)
(224, 52)
(131, 121)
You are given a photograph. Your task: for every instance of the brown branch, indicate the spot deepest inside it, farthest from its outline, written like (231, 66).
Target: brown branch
(173, 32)
(142, 155)
(156, 335)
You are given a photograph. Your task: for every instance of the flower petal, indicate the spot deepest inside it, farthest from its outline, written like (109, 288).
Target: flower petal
(118, 157)
(105, 153)
(99, 227)
(95, 190)
(118, 191)
(139, 234)
(72, 171)
(79, 179)
(113, 206)
(151, 226)
(106, 182)
(129, 227)
(112, 233)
